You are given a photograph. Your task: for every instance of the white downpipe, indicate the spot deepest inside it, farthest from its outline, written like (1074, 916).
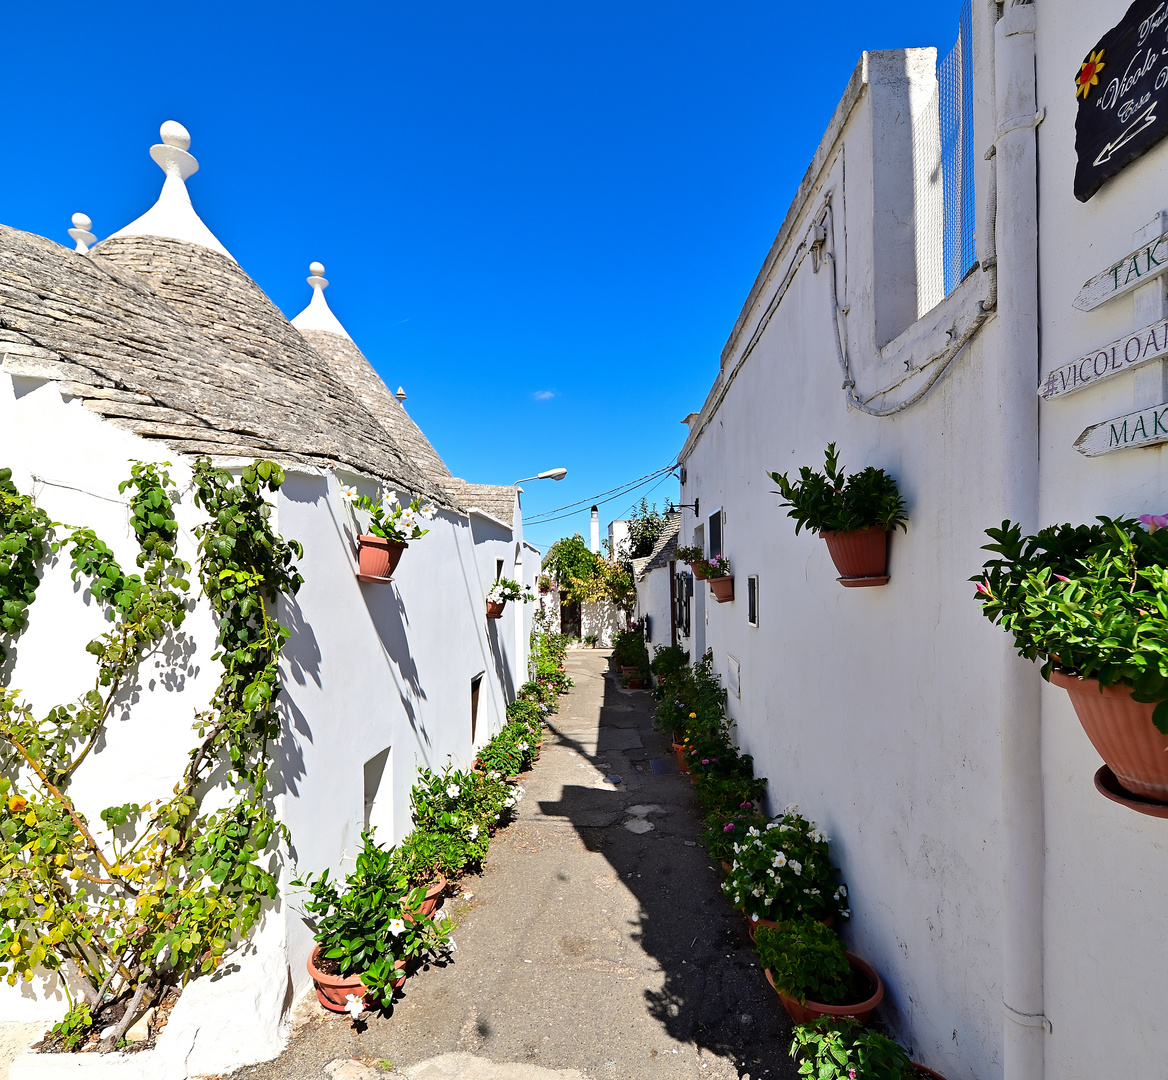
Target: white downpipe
(1024, 1026)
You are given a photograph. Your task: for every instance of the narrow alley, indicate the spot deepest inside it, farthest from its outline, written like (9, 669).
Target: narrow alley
(596, 940)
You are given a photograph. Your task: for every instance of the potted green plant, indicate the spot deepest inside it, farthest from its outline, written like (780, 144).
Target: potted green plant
(814, 975)
(1092, 602)
(854, 514)
(695, 557)
(503, 590)
(783, 871)
(366, 931)
(841, 1048)
(717, 573)
(391, 527)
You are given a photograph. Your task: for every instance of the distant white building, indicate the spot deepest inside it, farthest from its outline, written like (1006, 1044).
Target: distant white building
(155, 345)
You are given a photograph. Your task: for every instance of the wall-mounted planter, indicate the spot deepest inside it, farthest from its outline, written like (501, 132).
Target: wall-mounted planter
(861, 557)
(722, 588)
(495, 608)
(1122, 733)
(377, 558)
(697, 570)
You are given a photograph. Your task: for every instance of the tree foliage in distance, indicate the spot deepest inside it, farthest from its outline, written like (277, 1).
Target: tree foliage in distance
(585, 575)
(645, 528)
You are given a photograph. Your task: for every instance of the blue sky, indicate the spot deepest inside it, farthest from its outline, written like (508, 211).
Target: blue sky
(540, 219)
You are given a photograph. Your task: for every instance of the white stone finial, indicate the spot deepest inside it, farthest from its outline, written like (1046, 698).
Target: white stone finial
(171, 154)
(173, 215)
(174, 134)
(81, 234)
(400, 395)
(318, 315)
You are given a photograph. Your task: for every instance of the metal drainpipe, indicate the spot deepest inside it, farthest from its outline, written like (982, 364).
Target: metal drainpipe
(1022, 796)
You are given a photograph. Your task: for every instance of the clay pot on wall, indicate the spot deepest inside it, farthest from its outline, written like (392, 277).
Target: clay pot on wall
(802, 1013)
(722, 589)
(861, 557)
(679, 749)
(698, 571)
(377, 558)
(495, 608)
(1122, 733)
(332, 991)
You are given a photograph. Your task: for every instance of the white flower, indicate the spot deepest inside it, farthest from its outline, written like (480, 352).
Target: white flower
(521, 746)
(408, 518)
(452, 790)
(752, 831)
(772, 824)
(843, 890)
(738, 899)
(473, 832)
(396, 926)
(354, 1006)
(390, 500)
(428, 513)
(814, 892)
(451, 946)
(768, 900)
(494, 774)
(791, 808)
(756, 892)
(845, 914)
(797, 867)
(780, 860)
(770, 873)
(453, 819)
(350, 493)
(786, 828)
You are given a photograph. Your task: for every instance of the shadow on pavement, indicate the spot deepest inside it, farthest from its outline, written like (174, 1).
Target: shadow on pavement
(714, 994)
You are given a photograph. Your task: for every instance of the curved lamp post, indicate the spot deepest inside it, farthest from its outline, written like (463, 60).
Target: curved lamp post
(551, 474)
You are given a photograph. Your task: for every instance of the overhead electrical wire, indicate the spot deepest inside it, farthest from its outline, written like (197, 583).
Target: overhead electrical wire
(608, 496)
(603, 497)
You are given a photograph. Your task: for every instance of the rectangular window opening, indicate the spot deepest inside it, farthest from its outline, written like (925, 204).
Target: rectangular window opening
(475, 686)
(498, 568)
(752, 600)
(715, 521)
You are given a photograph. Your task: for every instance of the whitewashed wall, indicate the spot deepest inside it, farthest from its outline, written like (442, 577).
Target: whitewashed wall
(368, 667)
(882, 712)
(1106, 872)
(654, 603)
(872, 709)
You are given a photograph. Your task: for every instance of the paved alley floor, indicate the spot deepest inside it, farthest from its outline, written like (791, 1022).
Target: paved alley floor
(596, 943)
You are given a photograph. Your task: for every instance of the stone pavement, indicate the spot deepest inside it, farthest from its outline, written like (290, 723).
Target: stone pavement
(596, 943)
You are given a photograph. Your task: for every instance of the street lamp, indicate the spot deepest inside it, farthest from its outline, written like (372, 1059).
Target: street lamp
(551, 474)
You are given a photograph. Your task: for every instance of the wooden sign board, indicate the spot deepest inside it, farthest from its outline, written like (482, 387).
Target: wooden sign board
(1148, 427)
(1122, 87)
(1129, 351)
(1136, 268)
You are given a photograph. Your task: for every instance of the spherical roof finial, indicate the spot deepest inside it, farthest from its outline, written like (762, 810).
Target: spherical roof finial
(316, 269)
(173, 133)
(81, 234)
(82, 221)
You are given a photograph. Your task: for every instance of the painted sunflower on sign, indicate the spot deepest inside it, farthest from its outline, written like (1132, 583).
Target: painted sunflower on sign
(1089, 74)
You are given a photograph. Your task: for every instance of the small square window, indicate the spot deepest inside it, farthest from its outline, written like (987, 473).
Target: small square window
(752, 600)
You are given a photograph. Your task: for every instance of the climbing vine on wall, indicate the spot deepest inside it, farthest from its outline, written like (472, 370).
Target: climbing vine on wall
(25, 532)
(162, 891)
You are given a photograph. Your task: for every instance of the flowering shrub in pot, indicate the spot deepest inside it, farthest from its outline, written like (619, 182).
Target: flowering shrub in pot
(391, 526)
(854, 515)
(363, 941)
(457, 811)
(814, 975)
(784, 871)
(503, 590)
(696, 558)
(841, 1048)
(1091, 601)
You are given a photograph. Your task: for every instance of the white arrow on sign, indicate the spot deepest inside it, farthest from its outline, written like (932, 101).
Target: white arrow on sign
(1141, 123)
(1133, 270)
(1148, 427)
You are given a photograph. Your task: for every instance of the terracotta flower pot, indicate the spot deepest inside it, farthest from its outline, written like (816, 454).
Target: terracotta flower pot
(377, 557)
(722, 588)
(861, 557)
(495, 608)
(698, 570)
(626, 669)
(635, 682)
(430, 903)
(682, 764)
(1122, 733)
(811, 1010)
(332, 991)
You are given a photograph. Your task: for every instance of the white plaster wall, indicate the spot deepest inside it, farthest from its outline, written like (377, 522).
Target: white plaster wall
(872, 709)
(1106, 873)
(653, 600)
(602, 618)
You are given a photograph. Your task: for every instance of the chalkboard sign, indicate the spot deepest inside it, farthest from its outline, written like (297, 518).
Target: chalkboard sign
(1122, 87)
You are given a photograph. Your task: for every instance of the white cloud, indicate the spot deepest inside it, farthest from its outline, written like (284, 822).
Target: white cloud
(544, 395)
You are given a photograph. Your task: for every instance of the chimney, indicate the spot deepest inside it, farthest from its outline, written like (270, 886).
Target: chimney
(595, 541)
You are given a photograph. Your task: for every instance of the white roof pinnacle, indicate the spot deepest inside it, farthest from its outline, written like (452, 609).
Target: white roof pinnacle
(80, 233)
(318, 315)
(400, 395)
(173, 215)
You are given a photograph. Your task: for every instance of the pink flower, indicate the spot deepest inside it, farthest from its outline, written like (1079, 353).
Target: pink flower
(1154, 521)
(728, 828)
(744, 806)
(983, 587)
(1061, 578)
(852, 1074)
(705, 761)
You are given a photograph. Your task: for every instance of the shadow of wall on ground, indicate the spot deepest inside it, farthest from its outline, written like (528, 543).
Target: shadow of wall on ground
(715, 995)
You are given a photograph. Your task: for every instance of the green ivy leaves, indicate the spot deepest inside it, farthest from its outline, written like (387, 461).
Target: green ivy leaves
(25, 534)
